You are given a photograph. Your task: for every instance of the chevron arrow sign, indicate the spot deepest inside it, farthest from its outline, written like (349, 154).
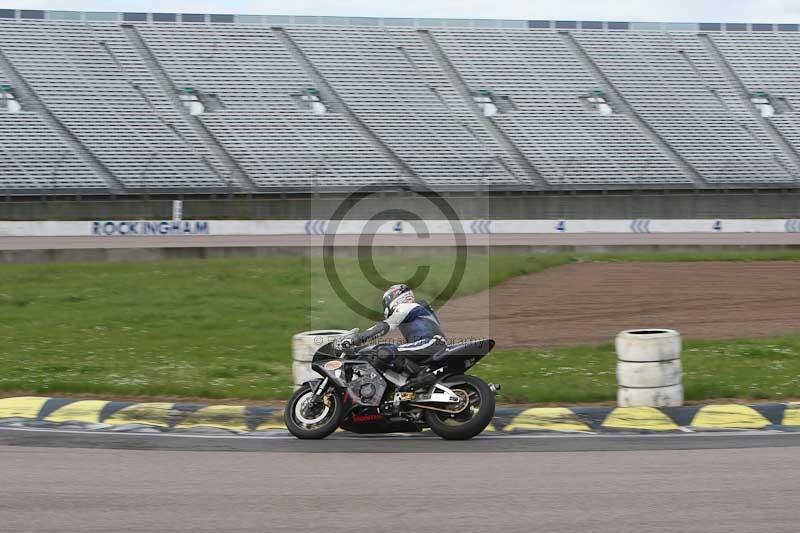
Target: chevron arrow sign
(481, 226)
(793, 226)
(315, 227)
(640, 225)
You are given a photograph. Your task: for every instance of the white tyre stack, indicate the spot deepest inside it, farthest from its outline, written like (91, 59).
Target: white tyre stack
(649, 368)
(304, 345)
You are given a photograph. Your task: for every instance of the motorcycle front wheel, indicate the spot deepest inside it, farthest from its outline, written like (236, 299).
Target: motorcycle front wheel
(476, 413)
(307, 421)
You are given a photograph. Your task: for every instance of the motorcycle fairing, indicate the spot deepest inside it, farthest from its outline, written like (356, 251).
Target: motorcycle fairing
(370, 420)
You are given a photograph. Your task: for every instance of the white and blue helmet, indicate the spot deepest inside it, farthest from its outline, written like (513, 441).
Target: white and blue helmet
(396, 295)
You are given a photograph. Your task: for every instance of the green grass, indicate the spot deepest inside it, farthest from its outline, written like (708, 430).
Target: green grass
(213, 329)
(222, 329)
(756, 369)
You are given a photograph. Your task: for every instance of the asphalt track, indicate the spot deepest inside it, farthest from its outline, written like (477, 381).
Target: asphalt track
(289, 241)
(345, 442)
(704, 490)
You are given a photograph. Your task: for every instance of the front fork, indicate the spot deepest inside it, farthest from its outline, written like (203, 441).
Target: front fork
(320, 390)
(317, 398)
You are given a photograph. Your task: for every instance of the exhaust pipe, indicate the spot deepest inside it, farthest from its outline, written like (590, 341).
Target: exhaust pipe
(495, 388)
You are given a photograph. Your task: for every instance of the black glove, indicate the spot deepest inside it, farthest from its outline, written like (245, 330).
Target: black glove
(347, 342)
(347, 346)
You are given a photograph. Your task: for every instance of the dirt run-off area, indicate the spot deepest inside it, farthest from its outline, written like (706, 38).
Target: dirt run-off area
(590, 303)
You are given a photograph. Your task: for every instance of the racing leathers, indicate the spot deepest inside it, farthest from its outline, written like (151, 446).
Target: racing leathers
(421, 331)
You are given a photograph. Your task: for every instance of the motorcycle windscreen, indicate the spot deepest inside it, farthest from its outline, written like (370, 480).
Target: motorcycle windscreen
(325, 352)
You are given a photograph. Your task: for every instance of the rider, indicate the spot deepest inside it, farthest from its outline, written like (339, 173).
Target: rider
(419, 326)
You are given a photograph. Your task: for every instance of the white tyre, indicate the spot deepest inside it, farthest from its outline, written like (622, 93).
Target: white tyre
(305, 344)
(648, 345)
(652, 397)
(645, 375)
(302, 373)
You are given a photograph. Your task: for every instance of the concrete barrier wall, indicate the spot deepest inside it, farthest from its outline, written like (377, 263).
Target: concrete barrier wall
(135, 228)
(494, 205)
(122, 255)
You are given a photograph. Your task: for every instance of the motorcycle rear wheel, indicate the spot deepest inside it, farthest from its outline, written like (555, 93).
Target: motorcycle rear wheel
(316, 422)
(473, 419)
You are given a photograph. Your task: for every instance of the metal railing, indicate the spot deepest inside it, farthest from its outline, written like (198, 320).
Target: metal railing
(270, 20)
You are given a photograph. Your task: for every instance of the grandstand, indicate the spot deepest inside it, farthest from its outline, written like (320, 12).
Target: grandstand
(127, 104)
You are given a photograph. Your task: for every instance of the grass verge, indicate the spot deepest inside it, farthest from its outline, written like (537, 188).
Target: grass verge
(755, 369)
(222, 329)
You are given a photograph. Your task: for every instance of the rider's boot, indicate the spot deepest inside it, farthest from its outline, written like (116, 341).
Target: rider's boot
(423, 379)
(409, 367)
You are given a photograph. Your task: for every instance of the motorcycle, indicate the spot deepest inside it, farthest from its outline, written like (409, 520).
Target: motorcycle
(355, 392)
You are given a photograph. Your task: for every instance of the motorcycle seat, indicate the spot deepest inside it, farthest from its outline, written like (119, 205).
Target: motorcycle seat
(463, 348)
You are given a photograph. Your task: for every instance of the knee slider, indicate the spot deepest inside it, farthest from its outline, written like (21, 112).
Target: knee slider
(387, 353)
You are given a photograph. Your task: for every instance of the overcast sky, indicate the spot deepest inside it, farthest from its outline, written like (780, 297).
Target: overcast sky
(625, 10)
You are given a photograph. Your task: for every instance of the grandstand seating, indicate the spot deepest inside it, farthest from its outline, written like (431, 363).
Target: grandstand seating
(569, 145)
(102, 109)
(660, 84)
(368, 70)
(734, 103)
(104, 96)
(768, 63)
(33, 158)
(278, 144)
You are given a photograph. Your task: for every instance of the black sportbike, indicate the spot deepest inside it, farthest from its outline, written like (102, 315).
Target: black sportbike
(355, 393)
